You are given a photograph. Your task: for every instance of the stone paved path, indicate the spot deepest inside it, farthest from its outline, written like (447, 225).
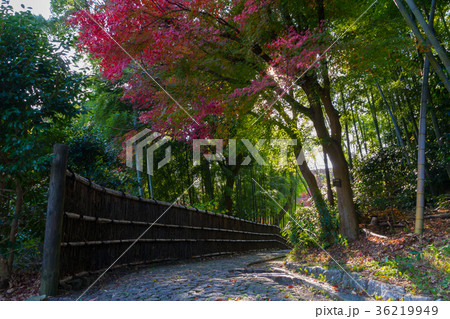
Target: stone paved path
(226, 278)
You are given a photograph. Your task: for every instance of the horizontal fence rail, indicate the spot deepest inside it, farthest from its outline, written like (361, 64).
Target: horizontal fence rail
(99, 224)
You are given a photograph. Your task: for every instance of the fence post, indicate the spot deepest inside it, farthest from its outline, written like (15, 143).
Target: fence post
(53, 225)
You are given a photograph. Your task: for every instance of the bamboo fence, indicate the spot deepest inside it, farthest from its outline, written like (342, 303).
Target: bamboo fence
(99, 224)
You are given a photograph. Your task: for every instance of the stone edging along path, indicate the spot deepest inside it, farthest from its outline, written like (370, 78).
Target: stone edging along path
(372, 287)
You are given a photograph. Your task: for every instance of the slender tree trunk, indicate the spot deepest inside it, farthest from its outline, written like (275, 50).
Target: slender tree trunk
(319, 202)
(407, 102)
(420, 204)
(366, 137)
(396, 127)
(398, 101)
(430, 34)
(375, 120)
(138, 173)
(206, 175)
(363, 133)
(287, 207)
(228, 199)
(355, 129)
(231, 172)
(349, 150)
(393, 119)
(420, 38)
(253, 193)
(191, 193)
(327, 174)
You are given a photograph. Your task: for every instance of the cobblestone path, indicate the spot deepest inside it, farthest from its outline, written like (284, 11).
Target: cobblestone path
(226, 278)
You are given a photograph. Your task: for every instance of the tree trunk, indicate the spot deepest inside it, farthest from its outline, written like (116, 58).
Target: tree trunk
(325, 220)
(138, 173)
(228, 191)
(349, 150)
(420, 204)
(356, 130)
(407, 102)
(206, 175)
(363, 133)
(332, 146)
(437, 68)
(399, 103)
(393, 119)
(375, 120)
(280, 216)
(327, 175)
(347, 213)
(430, 34)
(191, 191)
(231, 171)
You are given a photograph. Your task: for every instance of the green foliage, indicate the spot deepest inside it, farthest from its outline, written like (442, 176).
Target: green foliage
(305, 228)
(384, 180)
(211, 206)
(37, 91)
(38, 96)
(443, 201)
(94, 157)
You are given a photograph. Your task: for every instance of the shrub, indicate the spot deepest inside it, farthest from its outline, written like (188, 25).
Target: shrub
(304, 228)
(384, 180)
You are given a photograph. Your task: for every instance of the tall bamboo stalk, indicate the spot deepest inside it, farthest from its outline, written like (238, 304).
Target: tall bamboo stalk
(394, 121)
(361, 128)
(430, 34)
(420, 38)
(356, 130)
(374, 116)
(420, 204)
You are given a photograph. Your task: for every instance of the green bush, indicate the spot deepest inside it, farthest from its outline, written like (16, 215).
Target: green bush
(384, 180)
(304, 228)
(92, 156)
